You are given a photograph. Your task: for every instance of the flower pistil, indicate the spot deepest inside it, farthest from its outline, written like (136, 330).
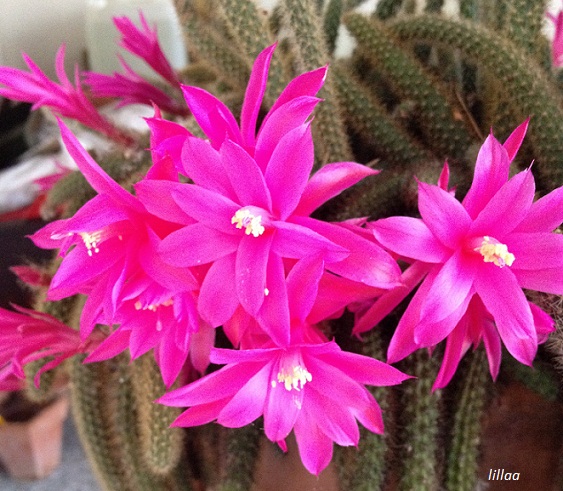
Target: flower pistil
(251, 223)
(495, 252)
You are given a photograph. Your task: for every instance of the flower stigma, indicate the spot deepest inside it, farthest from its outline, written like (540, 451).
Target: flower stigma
(153, 306)
(495, 252)
(252, 223)
(91, 241)
(294, 378)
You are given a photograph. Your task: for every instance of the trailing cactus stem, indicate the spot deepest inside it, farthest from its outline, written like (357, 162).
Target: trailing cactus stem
(368, 117)
(230, 66)
(462, 465)
(248, 27)
(364, 468)
(161, 446)
(243, 445)
(531, 93)
(310, 53)
(441, 119)
(104, 413)
(421, 471)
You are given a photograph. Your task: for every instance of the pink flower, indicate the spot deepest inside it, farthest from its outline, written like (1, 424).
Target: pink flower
(476, 256)
(316, 390)
(64, 98)
(144, 44)
(109, 250)
(250, 200)
(293, 107)
(27, 335)
(557, 43)
(131, 88)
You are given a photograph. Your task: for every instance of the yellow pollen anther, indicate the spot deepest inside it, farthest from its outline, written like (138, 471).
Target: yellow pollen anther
(296, 379)
(252, 224)
(152, 307)
(91, 241)
(496, 253)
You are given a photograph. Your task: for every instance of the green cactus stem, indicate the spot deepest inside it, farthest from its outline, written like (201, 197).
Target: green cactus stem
(248, 26)
(463, 454)
(368, 117)
(441, 119)
(364, 468)
(310, 52)
(243, 445)
(105, 411)
(530, 92)
(421, 415)
(161, 446)
(331, 23)
(212, 48)
(387, 8)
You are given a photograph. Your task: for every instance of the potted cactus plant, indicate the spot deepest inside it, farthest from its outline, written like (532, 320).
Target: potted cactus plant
(256, 266)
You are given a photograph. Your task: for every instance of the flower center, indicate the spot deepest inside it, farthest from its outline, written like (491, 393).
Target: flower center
(153, 306)
(91, 241)
(293, 377)
(495, 252)
(252, 223)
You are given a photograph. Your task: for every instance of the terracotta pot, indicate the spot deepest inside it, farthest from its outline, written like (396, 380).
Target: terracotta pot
(31, 439)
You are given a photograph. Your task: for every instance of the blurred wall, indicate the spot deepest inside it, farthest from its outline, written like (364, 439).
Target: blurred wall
(38, 27)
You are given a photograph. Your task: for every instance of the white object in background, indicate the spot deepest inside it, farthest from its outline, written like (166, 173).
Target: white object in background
(39, 27)
(102, 37)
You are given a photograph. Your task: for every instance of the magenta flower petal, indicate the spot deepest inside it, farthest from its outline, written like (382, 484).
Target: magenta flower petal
(507, 208)
(446, 218)
(254, 95)
(341, 427)
(199, 415)
(545, 214)
(246, 177)
(315, 448)
(143, 42)
(166, 139)
(203, 164)
(504, 299)
(449, 289)
(306, 84)
(250, 267)
(288, 170)
(302, 286)
(365, 370)
(208, 207)
(390, 299)
(330, 181)
(491, 173)
(217, 300)
(367, 262)
(456, 347)
(226, 382)
(274, 313)
(95, 175)
(212, 115)
(410, 237)
(285, 119)
(536, 250)
(185, 247)
(514, 141)
(156, 197)
(403, 342)
(295, 241)
(281, 409)
(493, 347)
(547, 280)
(248, 403)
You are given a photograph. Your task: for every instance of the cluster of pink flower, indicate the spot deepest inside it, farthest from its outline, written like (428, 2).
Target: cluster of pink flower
(236, 247)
